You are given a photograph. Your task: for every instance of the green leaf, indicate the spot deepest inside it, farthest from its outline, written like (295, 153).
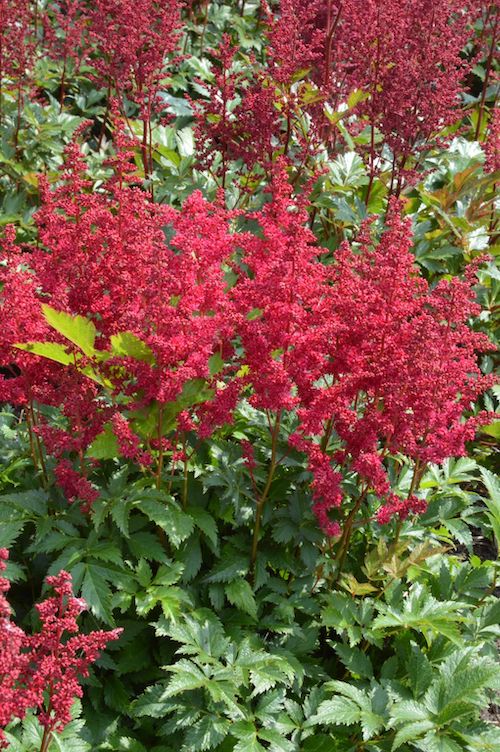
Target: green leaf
(278, 742)
(50, 350)
(77, 329)
(371, 723)
(419, 670)
(127, 344)
(215, 364)
(104, 446)
(339, 711)
(186, 677)
(146, 545)
(231, 566)
(423, 613)
(154, 703)
(194, 392)
(205, 522)
(177, 525)
(246, 734)
(97, 594)
(10, 532)
(207, 733)
(411, 733)
(355, 660)
(241, 595)
(434, 742)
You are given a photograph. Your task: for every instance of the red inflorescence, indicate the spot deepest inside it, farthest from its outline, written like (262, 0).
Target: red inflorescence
(42, 672)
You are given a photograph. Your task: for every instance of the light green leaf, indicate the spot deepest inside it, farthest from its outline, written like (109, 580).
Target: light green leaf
(77, 329)
(207, 733)
(411, 732)
(339, 711)
(50, 350)
(127, 344)
(177, 525)
(186, 677)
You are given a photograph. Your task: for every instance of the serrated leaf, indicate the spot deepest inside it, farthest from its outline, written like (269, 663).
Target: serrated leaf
(339, 711)
(191, 558)
(371, 723)
(154, 703)
(76, 329)
(50, 350)
(127, 344)
(434, 742)
(278, 743)
(411, 733)
(205, 522)
(146, 545)
(104, 446)
(207, 733)
(97, 594)
(246, 734)
(231, 566)
(241, 595)
(177, 525)
(355, 660)
(419, 671)
(10, 532)
(186, 677)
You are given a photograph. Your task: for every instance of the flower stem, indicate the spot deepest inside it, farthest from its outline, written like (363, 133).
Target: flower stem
(265, 492)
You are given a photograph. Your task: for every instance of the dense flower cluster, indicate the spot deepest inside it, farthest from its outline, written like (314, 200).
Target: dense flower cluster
(151, 31)
(190, 312)
(42, 672)
(16, 39)
(104, 255)
(404, 57)
(371, 358)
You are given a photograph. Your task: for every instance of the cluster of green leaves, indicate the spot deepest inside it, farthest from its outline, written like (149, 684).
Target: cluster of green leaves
(400, 654)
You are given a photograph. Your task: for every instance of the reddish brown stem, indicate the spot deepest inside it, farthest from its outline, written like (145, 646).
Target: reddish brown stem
(489, 62)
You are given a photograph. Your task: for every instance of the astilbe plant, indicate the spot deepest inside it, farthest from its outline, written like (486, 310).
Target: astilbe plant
(131, 45)
(371, 359)
(404, 58)
(43, 671)
(238, 119)
(65, 29)
(104, 254)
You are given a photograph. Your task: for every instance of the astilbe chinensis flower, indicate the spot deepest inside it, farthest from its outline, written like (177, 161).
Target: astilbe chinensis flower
(65, 25)
(398, 365)
(296, 40)
(243, 117)
(43, 671)
(370, 358)
(104, 254)
(406, 57)
(373, 360)
(132, 43)
(279, 278)
(17, 45)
